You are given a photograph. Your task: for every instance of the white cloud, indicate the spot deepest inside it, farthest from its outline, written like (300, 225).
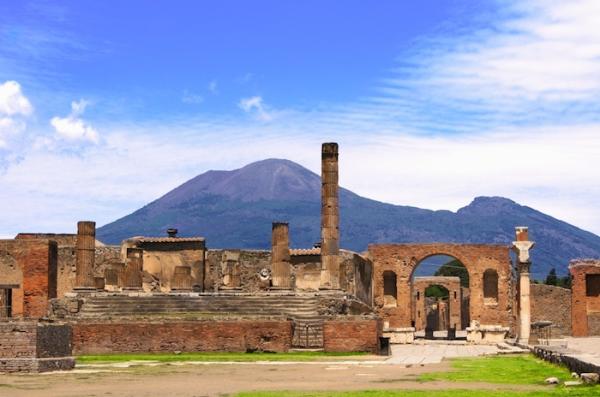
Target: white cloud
(12, 100)
(14, 106)
(9, 127)
(255, 106)
(74, 128)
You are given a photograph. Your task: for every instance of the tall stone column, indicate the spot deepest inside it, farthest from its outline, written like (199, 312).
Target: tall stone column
(330, 217)
(281, 272)
(521, 247)
(85, 255)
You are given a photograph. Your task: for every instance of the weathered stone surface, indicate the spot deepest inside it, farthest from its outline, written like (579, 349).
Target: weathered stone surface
(452, 284)
(402, 259)
(85, 254)
(585, 306)
(341, 335)
(551, 303)
(32, 346)
(29, 267)
(590, 378)
(186, 336)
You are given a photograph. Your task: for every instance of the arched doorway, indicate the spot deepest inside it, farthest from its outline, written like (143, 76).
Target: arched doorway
(440, 297)
(406, 260)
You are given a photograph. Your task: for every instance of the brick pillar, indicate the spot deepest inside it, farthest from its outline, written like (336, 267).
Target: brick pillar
(521, 248)
(133, 271)
(281, 268)
(330, 217)
(85, 256)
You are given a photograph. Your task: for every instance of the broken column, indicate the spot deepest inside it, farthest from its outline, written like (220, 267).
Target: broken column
(330, 218)
(281, 268)
(521, 247)
(85, 256)
(133, 271)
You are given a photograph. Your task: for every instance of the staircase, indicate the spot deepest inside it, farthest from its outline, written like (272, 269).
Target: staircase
(122, 305)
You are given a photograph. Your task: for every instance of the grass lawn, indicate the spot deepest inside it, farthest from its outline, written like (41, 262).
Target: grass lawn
(208, 356)
(522, 369)
(513, 370)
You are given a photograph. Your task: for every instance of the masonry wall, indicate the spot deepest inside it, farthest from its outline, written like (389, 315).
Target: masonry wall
(352, 335)
(235, 269)
(551, 303)
(32, 346)
(585, 300)
(30, 266)
(402, 259)
(185, 336)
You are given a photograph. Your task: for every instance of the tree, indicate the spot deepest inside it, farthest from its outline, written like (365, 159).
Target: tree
(551, 278)
(455, 268)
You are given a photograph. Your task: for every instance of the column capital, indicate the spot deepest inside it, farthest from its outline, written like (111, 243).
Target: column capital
(521, 248)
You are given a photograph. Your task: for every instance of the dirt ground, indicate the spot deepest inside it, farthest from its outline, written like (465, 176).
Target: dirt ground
(222, 379)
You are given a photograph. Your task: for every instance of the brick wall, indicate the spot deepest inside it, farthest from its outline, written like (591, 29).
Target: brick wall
(32, 346)
(402, 259)
(551, 303)
(355, 335)
(17, 339)
(585, 309)
(186, 336)
(31, 264)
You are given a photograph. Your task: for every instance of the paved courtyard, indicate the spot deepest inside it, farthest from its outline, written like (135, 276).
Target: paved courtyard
(432, 353)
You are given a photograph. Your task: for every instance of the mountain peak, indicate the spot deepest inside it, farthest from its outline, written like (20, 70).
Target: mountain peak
(269, 179)
(488, 205)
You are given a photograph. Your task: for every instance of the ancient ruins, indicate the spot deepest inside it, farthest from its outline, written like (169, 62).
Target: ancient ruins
(68, 294)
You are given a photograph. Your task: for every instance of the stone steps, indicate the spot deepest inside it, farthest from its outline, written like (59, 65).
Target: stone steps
(125, 305)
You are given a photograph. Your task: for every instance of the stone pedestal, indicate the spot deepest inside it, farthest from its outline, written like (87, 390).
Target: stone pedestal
(281, 268)
(486, 334)
(400, 336)
(330, 218)
(85, 256)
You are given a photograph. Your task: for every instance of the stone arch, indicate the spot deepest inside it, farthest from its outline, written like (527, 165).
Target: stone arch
(404, 258)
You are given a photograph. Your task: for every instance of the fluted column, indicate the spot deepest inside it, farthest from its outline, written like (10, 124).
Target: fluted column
(85, 255)
(281, 272)
(330, 218)
(521, 246)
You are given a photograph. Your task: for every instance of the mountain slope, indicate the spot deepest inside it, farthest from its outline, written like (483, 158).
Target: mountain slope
(234, 209)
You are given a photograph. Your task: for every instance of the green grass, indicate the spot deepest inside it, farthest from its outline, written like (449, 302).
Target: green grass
(508, 370)
(522, 369)
(208, 356)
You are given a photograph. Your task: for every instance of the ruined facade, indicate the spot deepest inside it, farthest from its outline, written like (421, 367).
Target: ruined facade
(166, 293)
(483, 262)
(585, 308)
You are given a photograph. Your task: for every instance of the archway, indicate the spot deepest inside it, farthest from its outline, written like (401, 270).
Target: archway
(440, 293)
(406, 259)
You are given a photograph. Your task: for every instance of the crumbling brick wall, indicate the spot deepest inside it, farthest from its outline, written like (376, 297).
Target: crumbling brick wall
(30, 266)
(187, 336)
(551, 303)
(351, 335)
(402, 259)
(235, 269)
(33, 346)
(585, 306)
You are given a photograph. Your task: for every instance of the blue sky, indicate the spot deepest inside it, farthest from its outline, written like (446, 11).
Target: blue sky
(104, 106)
